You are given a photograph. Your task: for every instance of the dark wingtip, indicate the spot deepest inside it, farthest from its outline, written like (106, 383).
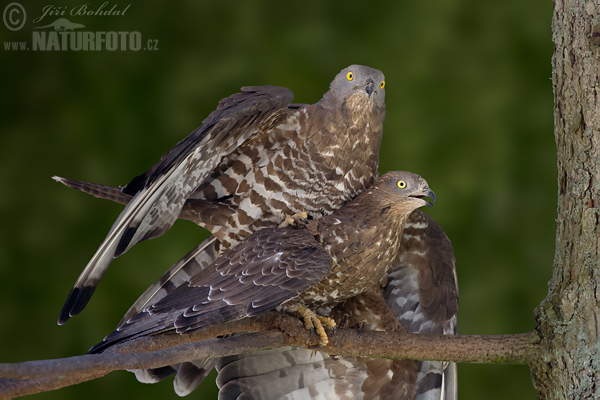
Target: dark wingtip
(98, 348)
(136, 184)
(125, 240)
(76, 302)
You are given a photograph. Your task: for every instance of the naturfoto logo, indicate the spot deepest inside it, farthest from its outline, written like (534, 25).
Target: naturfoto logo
(69, 33)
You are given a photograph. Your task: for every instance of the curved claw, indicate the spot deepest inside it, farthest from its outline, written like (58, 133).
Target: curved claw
(314, 322)
(294, 220)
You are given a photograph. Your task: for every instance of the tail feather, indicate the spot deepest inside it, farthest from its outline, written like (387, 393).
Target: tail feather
(191, 374)
(156, 374)
(436, 381)
(100, 191)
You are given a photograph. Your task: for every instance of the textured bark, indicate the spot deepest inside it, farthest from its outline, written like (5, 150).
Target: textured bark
(569, 317)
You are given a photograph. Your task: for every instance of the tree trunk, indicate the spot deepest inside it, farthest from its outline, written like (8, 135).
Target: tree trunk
(569, 317)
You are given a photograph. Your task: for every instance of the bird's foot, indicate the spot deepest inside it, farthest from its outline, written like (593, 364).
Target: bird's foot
(315, 322)
(294, 219)
(360, 325)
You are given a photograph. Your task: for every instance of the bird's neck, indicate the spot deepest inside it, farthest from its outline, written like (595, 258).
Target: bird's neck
(347, 141)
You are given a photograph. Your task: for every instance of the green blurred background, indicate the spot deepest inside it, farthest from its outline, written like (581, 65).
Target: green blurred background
(469, 107)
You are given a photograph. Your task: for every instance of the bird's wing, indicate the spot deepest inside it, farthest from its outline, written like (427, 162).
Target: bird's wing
(422, 291)
(191, 264)
(191, 373)
(422, 294)
(160, 193)
(269, 267)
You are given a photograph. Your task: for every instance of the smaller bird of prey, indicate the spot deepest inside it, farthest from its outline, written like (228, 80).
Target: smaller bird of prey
(304, 269)
(255, 160)
(420, 296)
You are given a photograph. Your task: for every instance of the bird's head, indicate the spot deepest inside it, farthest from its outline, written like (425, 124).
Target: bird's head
(406, 188)
(362, 84)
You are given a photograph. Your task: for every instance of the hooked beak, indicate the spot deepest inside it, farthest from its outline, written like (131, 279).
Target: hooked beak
(369, 87)
(427, 193)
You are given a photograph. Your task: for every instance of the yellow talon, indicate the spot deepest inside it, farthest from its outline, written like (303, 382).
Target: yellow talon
(316, 322)
(291, 220)
(286, 222)
(328, 322)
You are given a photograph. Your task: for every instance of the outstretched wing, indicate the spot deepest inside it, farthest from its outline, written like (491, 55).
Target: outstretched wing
(160, 193)
(269, 267)
(422, 294)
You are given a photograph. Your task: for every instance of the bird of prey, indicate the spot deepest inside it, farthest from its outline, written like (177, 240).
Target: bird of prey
(420, 295)
(301, 269)
(255, 160)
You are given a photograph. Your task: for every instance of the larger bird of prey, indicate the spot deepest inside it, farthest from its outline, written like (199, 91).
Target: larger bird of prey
(255, 160)
(303, 270)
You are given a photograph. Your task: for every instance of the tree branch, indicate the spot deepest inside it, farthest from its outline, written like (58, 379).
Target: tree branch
(270, 330)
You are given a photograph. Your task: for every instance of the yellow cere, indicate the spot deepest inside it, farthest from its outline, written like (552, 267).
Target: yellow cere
(401, 184)
(350, 76)
(382, 84)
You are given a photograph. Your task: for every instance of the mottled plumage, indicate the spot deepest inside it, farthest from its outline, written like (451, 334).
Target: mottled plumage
(422, 294)
(318, 264)
(421, 283)
(352, 152)
(254, 160)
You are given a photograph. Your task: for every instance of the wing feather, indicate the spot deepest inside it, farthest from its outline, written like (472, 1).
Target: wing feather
(200, 302)
(160, 194)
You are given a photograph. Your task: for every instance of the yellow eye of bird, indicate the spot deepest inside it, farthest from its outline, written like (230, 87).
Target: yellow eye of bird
(401, 184)
(350, 76)
(382, 84)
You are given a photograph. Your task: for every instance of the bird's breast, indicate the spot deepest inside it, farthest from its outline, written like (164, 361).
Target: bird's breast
(361, 259)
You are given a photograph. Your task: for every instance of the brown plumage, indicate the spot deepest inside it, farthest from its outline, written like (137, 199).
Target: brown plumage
(318, 265)
(424, 270)
(422, 288)
(254, 160)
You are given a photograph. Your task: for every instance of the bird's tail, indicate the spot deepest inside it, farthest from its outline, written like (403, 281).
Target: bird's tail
(100, 191)
(436, 380)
